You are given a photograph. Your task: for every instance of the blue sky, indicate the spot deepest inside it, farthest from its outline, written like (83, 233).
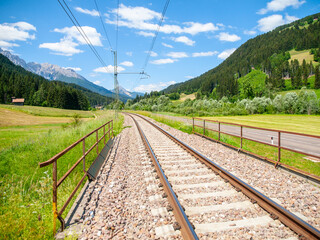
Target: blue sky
(195, 36)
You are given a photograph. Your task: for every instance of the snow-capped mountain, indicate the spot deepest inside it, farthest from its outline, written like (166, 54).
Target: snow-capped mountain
(123, 91)
(55, 72)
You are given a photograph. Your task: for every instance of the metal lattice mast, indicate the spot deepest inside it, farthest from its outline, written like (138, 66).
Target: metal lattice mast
(116, 83)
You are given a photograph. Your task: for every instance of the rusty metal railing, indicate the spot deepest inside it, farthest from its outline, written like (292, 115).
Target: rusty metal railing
(57, 183)
(279, 146)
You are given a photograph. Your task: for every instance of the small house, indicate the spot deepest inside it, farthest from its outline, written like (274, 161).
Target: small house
(18, 101)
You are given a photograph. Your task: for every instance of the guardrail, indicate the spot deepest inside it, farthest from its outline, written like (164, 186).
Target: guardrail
(275, 141)
(57, 183)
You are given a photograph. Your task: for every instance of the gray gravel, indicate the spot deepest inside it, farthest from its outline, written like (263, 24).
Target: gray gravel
(294, 193)
(118, 204)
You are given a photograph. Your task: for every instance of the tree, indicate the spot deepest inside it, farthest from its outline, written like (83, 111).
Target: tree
(317, 78)
(305, 72)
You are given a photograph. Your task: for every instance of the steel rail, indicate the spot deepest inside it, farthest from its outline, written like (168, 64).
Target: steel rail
(187, 230)
(287, 218)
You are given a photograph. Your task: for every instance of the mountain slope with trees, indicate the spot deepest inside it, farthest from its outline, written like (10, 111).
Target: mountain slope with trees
(15, 81)
(267, 52)
(57, 73)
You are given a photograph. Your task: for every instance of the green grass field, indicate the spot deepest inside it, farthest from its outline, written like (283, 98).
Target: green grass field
(48, 112)
(300, 55)
(25, 189)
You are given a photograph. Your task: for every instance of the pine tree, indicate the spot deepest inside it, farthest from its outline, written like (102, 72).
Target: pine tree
(305, 72)
(317, 78)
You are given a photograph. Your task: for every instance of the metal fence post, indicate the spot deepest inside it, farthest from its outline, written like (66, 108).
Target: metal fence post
(54, 196)
(279, 147)
(112, 128)
(84, 153)
(104, 134)
(192, 125)
(109, 130)
(204, 127)
(97, 142)
(241, 138)
(219, 131)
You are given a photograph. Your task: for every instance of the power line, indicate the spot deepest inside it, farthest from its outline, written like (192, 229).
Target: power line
(105, 31)
(156, 34)
(82, 32)
(117, 33)
(153, 42)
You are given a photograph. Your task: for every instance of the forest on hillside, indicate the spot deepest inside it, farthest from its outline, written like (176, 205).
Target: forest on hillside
(36, 90)
(267, 52)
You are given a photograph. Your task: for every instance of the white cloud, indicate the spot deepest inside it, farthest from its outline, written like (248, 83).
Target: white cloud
(184, 39)
(66, 47)
(280, 5)
(127, 64)
(167, 45)
(72, 39)
(223, 36)
(189, 77)
(129, 54)
(72, 32)
(226, 53)
(11, 32)
(177, 55)
(290, 19)
(152, 53)
(146, 34)
(153, 87)
(250, 32)
(163, 61)
(7, 45)
(108, 69)
(77, 69)
(204, 54)
(93, 12)
(145, 19)
(97, 82)
(271, 22)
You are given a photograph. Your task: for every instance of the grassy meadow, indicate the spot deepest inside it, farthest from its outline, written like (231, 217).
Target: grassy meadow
(48, 111)
(300, 55)
(25, 189)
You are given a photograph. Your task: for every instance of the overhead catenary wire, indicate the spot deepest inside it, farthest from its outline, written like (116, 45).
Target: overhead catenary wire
(156, 35)
(152, 43)
(117, 29)
(82, 32)
(104, 29)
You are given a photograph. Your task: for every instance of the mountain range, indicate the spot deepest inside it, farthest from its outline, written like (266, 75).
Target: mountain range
(68, 75)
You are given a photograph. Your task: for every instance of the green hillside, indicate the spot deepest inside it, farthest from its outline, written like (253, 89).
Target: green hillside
(252, 84)
(267, 52)
(15, 81)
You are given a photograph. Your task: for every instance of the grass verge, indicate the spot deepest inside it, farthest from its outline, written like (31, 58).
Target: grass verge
(26, 190)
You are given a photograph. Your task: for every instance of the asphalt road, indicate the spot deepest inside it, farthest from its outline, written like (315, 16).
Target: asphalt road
(305, 144)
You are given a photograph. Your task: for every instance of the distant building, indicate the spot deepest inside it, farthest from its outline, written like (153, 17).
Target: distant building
(18, 101)
(99, 107)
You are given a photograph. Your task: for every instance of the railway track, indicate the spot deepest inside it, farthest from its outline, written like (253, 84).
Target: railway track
(209, 202)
